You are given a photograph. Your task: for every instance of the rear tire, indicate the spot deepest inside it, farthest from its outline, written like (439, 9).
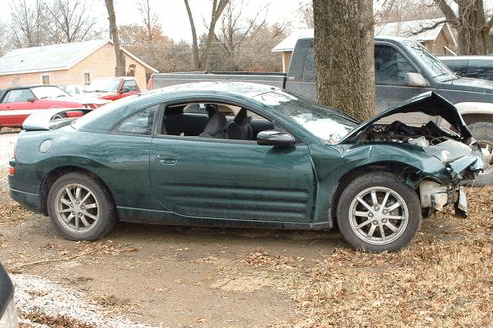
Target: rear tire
(378, 213)
(80, 207)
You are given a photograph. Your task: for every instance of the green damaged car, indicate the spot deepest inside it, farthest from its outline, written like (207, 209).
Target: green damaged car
(246, 155)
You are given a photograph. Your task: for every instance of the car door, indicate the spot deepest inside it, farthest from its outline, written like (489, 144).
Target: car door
(16, 106)
(200, 177)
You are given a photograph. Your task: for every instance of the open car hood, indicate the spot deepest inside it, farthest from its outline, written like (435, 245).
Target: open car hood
(428, 103)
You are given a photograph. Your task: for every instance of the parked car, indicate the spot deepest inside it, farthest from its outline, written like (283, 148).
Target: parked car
(403, 69)
(113, 88)
(173, 156)
(17, 103)
(8, 316)
(478, 67)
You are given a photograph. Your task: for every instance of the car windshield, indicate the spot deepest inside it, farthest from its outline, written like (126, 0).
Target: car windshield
(105, 85)
(48, 92)
(438, 69)
(326, 123)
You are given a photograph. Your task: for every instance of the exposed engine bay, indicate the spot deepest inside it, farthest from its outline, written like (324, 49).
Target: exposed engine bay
(428, 134)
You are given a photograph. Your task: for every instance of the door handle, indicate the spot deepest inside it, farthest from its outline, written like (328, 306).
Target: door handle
(166, 160)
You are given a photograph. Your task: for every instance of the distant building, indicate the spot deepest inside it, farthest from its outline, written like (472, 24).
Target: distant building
(67, 63)
(434, 34)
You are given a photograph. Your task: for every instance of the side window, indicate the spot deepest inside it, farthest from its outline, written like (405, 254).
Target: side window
(129, 85)
(138, 123)
(213, 120)
(309, 74)
(21, 95)
(391, 67)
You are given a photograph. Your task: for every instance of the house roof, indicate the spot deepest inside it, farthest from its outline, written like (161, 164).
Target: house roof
(53, 57)
(417, 30)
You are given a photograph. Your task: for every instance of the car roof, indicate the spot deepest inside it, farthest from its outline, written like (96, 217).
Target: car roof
(105, 117)
(29, 86)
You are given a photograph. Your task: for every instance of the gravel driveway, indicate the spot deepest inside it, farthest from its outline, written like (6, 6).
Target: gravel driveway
(36, 295)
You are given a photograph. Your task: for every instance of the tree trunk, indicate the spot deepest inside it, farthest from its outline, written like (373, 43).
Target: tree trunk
(217, 9)
(344, 49)
(120, 59)
(471, 24)
(195, 47)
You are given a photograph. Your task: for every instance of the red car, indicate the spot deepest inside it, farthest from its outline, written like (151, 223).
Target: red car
(113, 88)
(17, 103)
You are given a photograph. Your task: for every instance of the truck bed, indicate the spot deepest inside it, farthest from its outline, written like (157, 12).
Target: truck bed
(161, 80)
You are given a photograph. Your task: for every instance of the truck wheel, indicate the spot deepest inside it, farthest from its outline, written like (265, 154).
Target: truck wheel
(483, 132)
(378, 213)
(80, 208)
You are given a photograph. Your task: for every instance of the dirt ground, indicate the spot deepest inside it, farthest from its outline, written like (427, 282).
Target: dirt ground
(198, 277)
(170, 276)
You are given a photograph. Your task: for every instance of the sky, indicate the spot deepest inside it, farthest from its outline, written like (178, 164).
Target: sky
(173, 15)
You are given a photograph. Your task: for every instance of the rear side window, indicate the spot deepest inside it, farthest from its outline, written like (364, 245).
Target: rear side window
(309, 67)
(138, 123)
(130, 85)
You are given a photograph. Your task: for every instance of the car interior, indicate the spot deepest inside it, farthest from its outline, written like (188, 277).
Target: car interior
(213, 120)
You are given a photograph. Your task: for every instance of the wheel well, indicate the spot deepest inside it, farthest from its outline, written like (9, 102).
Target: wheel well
(405, 173)
(51, 177)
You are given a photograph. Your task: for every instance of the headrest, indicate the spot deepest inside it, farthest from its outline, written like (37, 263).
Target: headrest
(241, 118)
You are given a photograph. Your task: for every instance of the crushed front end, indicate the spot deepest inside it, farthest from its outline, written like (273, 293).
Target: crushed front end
(431, 126)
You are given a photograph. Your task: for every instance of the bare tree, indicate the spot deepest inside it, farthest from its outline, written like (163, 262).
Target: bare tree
(71, 21)
(149, 17)
(255, 53)
(120, 59)
(234, 29)
(344, 55)
(217, 9)
(28, 23)
(472, 24)
(305, 12)
(4, 43)
(405, 10)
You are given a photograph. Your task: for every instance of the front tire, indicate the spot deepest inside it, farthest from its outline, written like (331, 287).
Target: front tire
(80, 207)
(378, 213)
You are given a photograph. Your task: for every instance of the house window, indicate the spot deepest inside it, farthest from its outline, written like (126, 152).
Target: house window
(45, 78)
(87, 78)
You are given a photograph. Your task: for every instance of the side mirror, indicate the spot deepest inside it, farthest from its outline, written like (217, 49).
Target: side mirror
(275, 138)
(31, 99)
(416, 80)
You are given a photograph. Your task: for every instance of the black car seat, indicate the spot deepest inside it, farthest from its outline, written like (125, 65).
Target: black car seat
(240, 128)
(217, 124)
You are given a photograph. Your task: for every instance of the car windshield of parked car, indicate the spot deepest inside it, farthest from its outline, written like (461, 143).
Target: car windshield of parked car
(103, 86)
(326, 123)
(48, 92)
(438, 69)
